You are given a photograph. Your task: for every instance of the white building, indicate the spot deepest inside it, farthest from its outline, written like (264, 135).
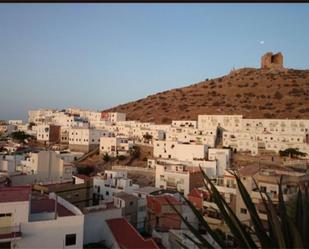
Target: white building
(209, 167)
(223, 158)
(9, 164)
(178, 177)
(179, 151)
(41, 222)
(112, 182)
(115, 146)
(85, 139)
(185, 123)
(44, 166)
(40, 116)
(227, 122)
(95, 226)
(277, 126)
(191, 135)
(113, 116)
(15, 122)
(48, 133)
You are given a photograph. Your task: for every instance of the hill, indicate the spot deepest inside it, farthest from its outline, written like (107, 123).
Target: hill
(254, 93)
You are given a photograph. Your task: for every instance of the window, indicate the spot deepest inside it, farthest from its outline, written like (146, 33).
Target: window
(243, 210)
(6, 215)
(263, 189)
(70, 239)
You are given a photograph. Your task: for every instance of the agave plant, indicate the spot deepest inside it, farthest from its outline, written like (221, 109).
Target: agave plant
(283, 230)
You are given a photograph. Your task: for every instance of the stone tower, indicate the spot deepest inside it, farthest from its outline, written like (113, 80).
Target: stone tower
(272, 61)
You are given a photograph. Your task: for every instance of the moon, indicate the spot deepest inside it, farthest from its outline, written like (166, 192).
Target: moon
(262, 42)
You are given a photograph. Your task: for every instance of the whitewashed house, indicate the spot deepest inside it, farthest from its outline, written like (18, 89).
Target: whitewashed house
(115, 146)
(112, 182)
(85, 139)
(30, 220)
(179, 151)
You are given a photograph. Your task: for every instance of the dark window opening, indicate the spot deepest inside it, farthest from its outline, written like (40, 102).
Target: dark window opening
(70, 239)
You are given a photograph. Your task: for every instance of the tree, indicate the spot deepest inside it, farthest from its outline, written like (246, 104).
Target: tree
(106, 157)
(135, 152)
(30, 125)
(147, 137)
(21, 136)
(85, 170)
(292, 152)
(284, 231)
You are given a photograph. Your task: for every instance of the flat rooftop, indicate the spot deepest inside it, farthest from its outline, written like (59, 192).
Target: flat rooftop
(48, 206)
(14, 194)
(147, 190)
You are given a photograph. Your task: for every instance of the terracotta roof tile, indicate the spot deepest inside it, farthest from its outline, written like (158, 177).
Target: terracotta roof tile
(127, 237)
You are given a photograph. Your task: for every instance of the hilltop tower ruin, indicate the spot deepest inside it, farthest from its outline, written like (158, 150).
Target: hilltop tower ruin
(272, 61)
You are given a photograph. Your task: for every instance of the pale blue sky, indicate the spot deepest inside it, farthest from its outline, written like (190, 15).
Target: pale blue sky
(100, 55)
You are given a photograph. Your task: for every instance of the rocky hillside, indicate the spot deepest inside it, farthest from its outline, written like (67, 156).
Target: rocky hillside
(254, 93)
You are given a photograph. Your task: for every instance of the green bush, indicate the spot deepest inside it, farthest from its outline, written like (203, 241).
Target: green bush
(106, 157)
(85, 170)
(292, 152)
(21, 136)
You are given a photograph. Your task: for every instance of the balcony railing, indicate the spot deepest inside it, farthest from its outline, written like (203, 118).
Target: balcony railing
(171, 184)
(10, 232)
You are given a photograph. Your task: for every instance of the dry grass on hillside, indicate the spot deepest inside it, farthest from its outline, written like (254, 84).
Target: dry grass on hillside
(254, 93)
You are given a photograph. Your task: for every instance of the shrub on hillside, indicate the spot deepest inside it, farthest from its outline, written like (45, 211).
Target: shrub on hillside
(278, 95)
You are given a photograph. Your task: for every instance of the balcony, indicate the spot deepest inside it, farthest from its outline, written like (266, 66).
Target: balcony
(228, 189)
(208, 204)
(212, 220)
(255, 195)
(9, 233)
(171, 184)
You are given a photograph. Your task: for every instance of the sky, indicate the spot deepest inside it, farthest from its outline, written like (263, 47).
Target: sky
(96, 56)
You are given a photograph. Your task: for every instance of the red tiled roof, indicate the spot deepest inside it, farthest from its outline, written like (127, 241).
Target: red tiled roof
(127, 237)
(249, 170)
(14, 194)
(195, 192)
(48, 205)
(163, 199)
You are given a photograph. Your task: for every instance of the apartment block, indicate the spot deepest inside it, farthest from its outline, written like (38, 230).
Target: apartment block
(115, 146)
(178, 177)
(112, 182)
(34, 220)
(179, 151)
(48, 133)
(85, 139)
